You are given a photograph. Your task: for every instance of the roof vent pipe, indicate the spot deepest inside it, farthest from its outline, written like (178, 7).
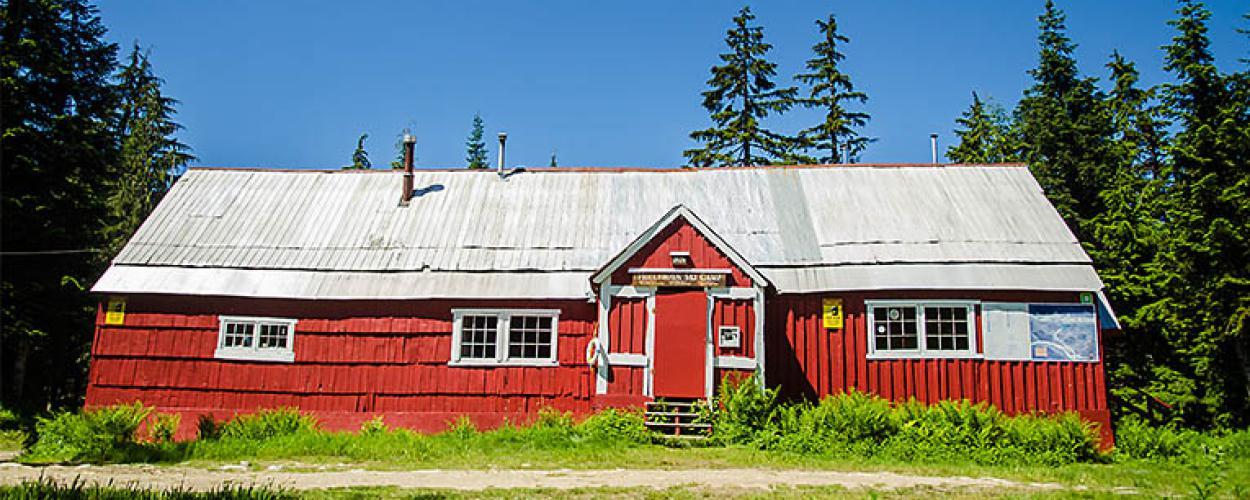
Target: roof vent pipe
(933, 146)
(503, 138)
(410, 143)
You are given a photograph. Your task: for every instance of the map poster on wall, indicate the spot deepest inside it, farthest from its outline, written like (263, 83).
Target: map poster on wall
(1063, 332)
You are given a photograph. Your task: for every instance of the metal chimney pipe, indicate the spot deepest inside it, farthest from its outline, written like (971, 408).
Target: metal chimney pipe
(503, 138)
(410, 143)
(933, 146)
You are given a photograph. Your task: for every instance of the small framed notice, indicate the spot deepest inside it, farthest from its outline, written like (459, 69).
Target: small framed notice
(831, 310)
(730, 337)
(115, 311)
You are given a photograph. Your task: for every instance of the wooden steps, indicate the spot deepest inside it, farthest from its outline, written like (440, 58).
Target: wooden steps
(678, 419)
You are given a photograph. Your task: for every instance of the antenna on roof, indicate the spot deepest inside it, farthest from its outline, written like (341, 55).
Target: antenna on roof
(933, 146)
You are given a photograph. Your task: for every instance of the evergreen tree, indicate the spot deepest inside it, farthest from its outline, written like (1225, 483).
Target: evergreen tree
(360, 157)
(742, 93)
(830, 91)
(985, 136)
(475, 155)
(398, 162)
(150, 158)
(1123, 242)
(554, 163)
(57, 105)
(1064, 126)
(1205, 314)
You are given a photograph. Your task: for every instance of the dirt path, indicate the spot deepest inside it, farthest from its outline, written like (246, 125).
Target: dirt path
(204, 479)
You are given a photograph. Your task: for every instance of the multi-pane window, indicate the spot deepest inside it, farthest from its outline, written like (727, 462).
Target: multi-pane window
(946, 328)
(261, 339)
(478, 336)
(529, 337)
(938, 329)
(504, 336)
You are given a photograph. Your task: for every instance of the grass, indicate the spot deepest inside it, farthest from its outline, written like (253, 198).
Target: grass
(851, 432)
(45, 488)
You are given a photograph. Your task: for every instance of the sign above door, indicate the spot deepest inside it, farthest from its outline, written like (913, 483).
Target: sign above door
(684, 278)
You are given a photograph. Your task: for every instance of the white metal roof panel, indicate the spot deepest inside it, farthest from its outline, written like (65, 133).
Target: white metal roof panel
(574, 221)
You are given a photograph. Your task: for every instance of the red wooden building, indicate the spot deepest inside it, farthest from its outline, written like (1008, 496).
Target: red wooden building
(421, 297)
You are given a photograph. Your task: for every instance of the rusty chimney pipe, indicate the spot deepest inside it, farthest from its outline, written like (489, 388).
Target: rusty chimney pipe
(410, 142)
(503, 138)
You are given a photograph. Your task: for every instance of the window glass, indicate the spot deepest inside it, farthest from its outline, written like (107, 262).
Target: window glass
(262, 339)
(520, 336)
(919, 328)
(238, 335)
(478, 335)
(895, 327)
(529, 337)
(946, 328)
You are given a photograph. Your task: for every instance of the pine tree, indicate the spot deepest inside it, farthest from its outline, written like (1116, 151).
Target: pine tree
(360, 157)
(151, 157)
(830, 91)
(475, 156)
(1205, 314)
(1064, 127)
(985, 136)
(398, 162)
(57, 104)
(554, 163)
(742, 93)
(1123, 243)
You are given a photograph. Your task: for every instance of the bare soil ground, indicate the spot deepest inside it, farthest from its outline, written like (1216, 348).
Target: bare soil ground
(310, 478)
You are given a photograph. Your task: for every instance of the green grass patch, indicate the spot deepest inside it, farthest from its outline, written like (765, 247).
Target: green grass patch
(46, 488)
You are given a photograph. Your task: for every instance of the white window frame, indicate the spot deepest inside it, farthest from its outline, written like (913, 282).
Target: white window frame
(921, 350)
(255, 352)
(503, 327)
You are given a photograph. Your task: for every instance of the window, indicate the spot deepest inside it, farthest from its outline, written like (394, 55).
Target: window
(504, 337)
(256, 339)
(921, 329)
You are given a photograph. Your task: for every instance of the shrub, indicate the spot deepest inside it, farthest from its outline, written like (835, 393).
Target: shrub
(744, 410)
(462, 427)
(207, 428)
(163, 426)
(615, 426)
(374, 426)
(265, 424)
(1136, 439)
(99, 435)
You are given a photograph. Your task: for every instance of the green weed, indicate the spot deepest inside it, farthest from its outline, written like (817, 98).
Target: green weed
(47, 488)
(99, 435)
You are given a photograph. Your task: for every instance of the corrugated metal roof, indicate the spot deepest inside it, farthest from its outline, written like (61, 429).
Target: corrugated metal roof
(574, 221)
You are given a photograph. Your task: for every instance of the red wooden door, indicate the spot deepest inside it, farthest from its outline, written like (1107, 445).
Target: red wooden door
(680, 344)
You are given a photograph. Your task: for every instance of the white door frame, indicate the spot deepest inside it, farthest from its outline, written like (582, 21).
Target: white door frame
(646, 360)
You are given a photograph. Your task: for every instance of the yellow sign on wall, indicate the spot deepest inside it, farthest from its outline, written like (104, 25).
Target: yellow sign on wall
(115, 312)
(832, 309)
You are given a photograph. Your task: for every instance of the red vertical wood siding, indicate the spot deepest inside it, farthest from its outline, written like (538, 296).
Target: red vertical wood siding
(350, 357)
(680, 236)
(808, 361)
(627, 325)
(739, 313)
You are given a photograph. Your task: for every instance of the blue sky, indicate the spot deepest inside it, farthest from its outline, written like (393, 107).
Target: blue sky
(289, 84)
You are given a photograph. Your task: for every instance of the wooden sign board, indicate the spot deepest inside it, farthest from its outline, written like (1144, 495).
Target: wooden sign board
(677, 279)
